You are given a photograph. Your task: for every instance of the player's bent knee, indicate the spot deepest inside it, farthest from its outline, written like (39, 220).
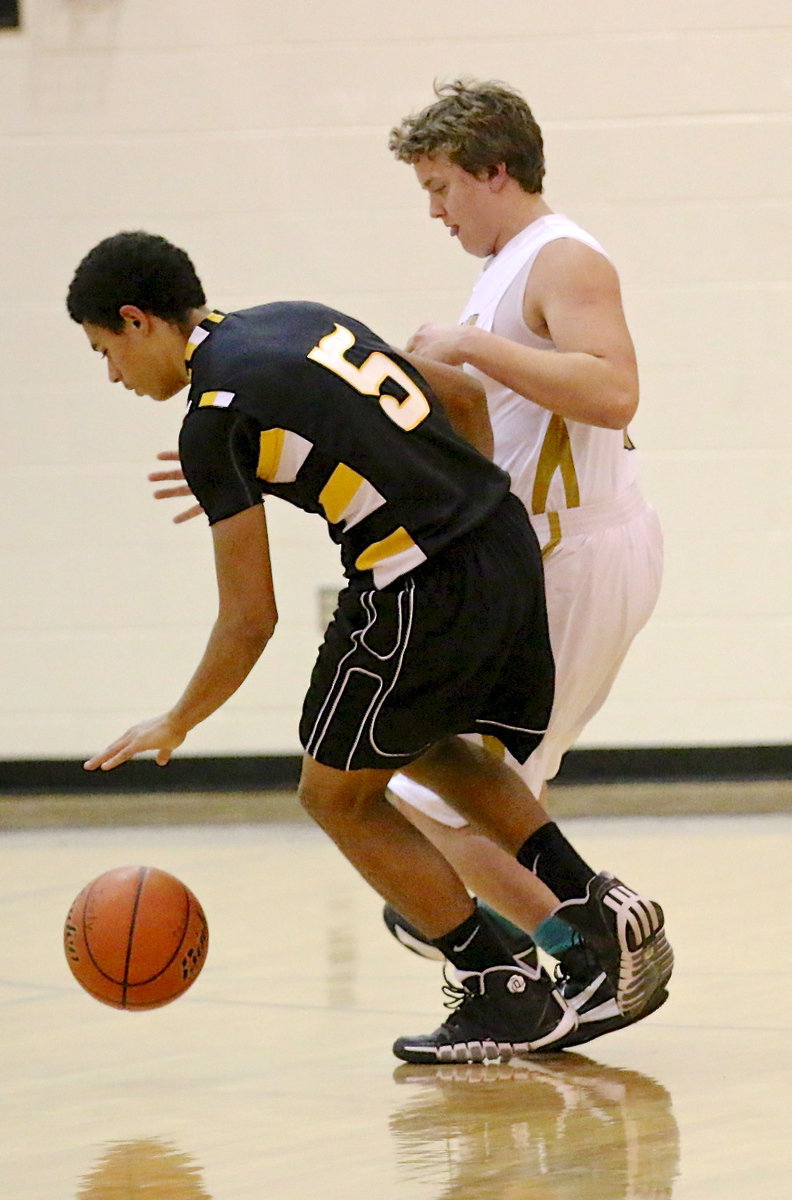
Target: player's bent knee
(338, 808)
(329, 795)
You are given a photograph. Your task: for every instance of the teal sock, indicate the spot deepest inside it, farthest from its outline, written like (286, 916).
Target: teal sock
(504, 923)
(554, 936)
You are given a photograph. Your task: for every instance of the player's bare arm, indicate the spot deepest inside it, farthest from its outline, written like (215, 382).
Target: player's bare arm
(463, 399)
(573, 297)
(246, 620)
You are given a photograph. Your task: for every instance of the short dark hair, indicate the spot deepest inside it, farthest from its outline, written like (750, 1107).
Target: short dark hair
(134, 268)
(476, 125)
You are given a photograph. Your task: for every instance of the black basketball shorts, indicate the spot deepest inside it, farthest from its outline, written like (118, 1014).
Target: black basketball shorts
(460, 645)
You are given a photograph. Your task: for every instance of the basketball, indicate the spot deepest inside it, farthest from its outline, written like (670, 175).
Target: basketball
(136, 938)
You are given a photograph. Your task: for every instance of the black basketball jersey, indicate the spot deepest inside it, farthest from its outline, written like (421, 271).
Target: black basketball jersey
(297, 400)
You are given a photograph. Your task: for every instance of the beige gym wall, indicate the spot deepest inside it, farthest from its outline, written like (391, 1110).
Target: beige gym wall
(255, 135)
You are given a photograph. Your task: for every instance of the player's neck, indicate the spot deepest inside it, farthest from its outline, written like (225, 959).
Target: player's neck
(197, 315)
(523, 211)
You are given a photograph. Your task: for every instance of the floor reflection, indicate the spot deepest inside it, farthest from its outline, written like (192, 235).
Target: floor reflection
(149, 1168)
(563, 1128)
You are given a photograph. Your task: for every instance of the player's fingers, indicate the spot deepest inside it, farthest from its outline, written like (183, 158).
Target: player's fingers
(116, 760)
(188, 514)
(105, 760)
(119, 751)
(168, 456)
(125, 749)
(164, 476)
(415, 339)
(167, 493)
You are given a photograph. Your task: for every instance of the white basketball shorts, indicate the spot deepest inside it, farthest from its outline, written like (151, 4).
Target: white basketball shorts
(602, 586)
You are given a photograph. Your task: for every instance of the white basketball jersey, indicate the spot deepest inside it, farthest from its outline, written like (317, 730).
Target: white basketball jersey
(554, 463)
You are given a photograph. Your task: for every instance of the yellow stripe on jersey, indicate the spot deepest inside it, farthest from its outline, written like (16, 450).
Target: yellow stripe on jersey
(390, 558)
(216, 399)
(282, 453)
(199, 334)
(396, 564)
(556, 454)
(270, 451)
(554, 525)
(395, 543)
(337, 494)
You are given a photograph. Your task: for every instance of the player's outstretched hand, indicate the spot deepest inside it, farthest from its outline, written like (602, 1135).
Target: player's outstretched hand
(158, 734)
(181, 488)
(440, 342)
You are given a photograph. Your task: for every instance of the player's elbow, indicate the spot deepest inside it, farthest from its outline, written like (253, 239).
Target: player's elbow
(622, 407)
(621, 416)
(252, 630)
(261, 629)
(612, 393)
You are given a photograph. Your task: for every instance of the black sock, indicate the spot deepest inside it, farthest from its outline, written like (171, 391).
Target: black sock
(549, 855)
(474, 945)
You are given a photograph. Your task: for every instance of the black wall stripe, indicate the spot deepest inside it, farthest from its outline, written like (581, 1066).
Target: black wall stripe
(9, 14)
(248, 773)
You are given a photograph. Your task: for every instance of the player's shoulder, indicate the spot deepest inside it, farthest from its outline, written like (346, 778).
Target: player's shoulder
(291, 328)
(293, 313)
(283, 324)
(568, 262)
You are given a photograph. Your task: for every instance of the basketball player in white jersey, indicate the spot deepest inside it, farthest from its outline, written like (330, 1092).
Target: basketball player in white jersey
(544, 331)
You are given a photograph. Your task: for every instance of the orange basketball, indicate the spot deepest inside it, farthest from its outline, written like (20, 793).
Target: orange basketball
(136, 937)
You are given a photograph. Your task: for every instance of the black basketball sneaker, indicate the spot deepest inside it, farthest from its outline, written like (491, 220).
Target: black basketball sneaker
(625, 935)
(497, 1014)
(586, 988)
(579, 977)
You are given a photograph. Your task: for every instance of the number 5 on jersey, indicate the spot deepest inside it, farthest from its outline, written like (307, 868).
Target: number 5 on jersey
(369, 377)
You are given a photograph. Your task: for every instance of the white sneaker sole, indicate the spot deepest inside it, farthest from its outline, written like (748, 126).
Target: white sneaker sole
(488, 1050)
(646, 958)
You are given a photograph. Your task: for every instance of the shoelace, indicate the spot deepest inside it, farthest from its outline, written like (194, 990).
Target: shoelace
(580, 971)
(455, 993)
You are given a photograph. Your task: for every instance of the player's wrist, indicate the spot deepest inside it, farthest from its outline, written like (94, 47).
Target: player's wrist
(178, 724)
(469, 345)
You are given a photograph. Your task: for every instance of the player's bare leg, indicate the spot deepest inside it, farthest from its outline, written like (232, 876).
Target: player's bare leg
(482, 789)
(621, 930)
(489, 872)
(388, 851)
(503, 1008)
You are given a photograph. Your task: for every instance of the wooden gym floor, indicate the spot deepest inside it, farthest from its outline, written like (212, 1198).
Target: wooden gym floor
(273, 1076)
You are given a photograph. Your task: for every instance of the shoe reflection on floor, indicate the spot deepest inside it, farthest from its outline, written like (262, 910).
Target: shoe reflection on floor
(562, 1127)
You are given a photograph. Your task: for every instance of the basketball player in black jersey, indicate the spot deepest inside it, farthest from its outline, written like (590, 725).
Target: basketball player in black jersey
(429, 639)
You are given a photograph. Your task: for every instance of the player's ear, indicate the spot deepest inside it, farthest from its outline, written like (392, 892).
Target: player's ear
(134, 315)
(497, 176)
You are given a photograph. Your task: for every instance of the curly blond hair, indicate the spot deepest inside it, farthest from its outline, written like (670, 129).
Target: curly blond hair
(477, 125)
